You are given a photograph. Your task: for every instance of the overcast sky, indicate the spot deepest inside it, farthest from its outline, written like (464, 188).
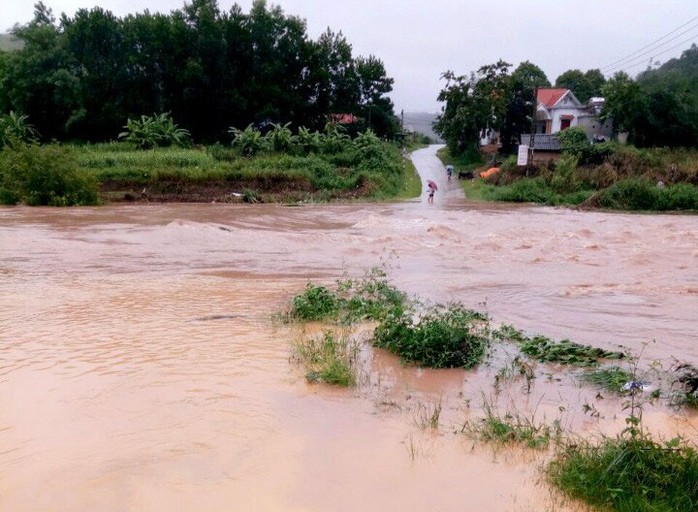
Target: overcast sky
(420, 39)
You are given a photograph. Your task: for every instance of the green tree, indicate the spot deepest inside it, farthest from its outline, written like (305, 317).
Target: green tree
(582, 85)
(374, 86)
(275, 64)
(473, 103)
(150, 63)
(94, 41)
(332, 78)
(626, 105)
(35, 80)
(525, 79)
(462, 116)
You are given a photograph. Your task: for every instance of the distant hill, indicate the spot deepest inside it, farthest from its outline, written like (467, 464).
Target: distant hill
(421, 122)
(9, 43)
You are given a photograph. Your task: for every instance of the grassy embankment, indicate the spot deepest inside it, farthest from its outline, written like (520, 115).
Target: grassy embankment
(631, 471)
(89, 174)
(606, 175)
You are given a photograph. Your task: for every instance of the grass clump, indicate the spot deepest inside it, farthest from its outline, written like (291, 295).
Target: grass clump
(371, 297)
(611, 378)
(428, 416)
(444, 337)
(546, 350)
(512, 428)
(629, 474)
(329, 358)
(316, 302)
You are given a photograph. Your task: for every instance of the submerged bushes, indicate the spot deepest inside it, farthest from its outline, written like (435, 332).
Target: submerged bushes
(44, 175)
(372, 297)
(443, 337)
(629, 474)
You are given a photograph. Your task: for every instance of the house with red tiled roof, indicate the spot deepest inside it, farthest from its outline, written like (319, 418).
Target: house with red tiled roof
(557, 110)
(343, 118)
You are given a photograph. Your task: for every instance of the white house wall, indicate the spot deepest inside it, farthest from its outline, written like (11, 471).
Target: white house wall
(558, 112)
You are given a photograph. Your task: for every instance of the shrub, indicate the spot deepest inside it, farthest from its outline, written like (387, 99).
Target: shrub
(444, 337)
(249, 141)
(629, 474)
(546, 350)
(532, 190)
(681, 196)
(15, 130)
(280, 138)
(335, 139)
(565, 180)
(573, 141)
(372, 297)
(310, 142)
(317, 302)
(368, 144)
(44, 175)
(596, 154)
(631, 194)
(154, 131)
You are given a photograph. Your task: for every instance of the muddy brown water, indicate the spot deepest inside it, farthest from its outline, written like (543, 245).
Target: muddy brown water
(140, 368)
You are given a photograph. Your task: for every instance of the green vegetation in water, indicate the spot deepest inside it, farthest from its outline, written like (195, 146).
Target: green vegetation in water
(547, 350)
(427, 416)
(371, 297)
(611, 378)
(512, 428)
(444, 336)
(44, 176)
(629, 474)
(329, 358)
(316, 302)
(685, 385)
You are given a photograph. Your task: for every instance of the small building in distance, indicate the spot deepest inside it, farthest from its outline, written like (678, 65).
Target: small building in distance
(558, 109)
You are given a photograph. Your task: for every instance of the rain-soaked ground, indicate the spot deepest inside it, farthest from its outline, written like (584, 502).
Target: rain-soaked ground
(140, 368)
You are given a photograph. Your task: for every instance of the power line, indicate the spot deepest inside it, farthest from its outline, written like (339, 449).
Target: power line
(653, 51)
(651, 46)
(629, 66)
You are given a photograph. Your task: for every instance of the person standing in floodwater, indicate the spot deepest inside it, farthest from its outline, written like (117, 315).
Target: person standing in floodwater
(431, 186)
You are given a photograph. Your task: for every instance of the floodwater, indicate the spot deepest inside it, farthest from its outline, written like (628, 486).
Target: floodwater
(140, 368)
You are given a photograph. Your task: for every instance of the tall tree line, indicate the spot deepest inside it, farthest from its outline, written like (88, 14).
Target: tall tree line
(81, 77)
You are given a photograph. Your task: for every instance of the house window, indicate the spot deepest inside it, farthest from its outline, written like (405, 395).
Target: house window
(565, 123)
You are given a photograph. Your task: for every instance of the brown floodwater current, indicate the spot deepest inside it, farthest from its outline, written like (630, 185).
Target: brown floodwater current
(141, 369)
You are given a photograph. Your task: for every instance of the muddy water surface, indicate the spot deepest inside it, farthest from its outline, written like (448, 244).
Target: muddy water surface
(140, 368)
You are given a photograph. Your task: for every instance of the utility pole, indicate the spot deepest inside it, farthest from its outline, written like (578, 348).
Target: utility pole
(532, 141)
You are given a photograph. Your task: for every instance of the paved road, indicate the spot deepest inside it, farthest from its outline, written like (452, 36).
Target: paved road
(430, 167)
